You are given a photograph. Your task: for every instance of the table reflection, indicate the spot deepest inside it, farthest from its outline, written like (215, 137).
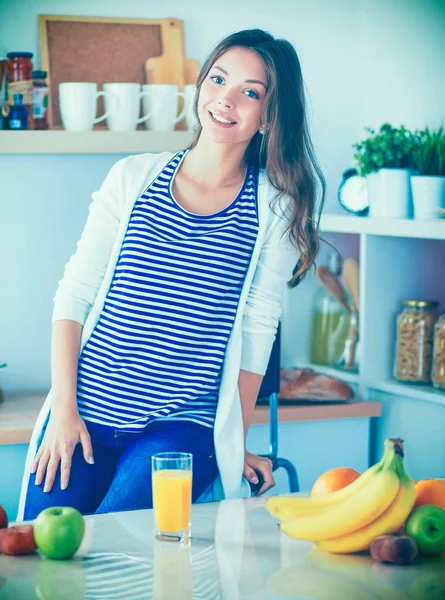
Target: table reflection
(359, 577)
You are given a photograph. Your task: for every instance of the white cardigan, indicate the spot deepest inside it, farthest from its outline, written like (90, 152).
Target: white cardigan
(89, 272)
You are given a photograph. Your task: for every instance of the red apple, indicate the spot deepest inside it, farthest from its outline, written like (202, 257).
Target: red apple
(17, 540)
(3, 518)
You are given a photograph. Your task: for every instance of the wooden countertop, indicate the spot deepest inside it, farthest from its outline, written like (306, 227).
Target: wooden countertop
(19, 411)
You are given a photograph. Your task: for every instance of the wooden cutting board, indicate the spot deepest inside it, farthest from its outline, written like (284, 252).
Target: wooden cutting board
(172, 66)
(191, 70)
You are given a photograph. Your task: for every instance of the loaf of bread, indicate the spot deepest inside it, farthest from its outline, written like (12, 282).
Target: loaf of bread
(307, 384)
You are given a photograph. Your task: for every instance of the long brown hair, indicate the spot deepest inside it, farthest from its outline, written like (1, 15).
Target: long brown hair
(285, 150)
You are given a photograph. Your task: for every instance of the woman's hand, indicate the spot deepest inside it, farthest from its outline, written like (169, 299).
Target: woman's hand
(64, 431)
(253, 463)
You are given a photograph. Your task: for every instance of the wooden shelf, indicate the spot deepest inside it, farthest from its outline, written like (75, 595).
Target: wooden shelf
(355, 409)
(433, 229)
(19, 412)
(91, 142)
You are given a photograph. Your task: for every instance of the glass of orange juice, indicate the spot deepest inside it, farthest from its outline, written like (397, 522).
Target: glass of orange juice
(172, 494)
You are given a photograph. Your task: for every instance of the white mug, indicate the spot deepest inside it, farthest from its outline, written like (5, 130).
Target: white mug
(189, 99)
(162, 103)
(78, 105)
(128, 98)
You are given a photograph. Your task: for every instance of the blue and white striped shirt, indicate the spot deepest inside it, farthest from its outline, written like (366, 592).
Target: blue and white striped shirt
(158, 348)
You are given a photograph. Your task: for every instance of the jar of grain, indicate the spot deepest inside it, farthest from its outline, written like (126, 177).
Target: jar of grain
(415, 338)
(438, 373)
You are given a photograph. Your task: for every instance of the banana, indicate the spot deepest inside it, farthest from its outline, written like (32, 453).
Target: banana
(348, 516)
(290, 506)
(303, 580)
(388, 522)
(287, 511)
(295, 506)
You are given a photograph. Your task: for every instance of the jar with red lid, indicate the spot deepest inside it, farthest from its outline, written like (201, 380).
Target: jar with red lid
(20, 81)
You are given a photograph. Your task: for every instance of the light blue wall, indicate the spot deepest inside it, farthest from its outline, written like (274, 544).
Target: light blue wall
(44, 202)
(363, 61)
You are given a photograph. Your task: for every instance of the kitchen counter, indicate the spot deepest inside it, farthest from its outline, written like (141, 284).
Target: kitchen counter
(19, 411)
(236, 552)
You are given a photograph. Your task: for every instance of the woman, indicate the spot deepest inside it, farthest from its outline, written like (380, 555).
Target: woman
(165, 318)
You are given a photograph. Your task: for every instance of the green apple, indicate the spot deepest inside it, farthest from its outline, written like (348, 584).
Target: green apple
(58, 531)
(426, 525)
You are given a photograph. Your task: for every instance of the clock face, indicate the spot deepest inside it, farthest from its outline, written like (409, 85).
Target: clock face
(353, 194)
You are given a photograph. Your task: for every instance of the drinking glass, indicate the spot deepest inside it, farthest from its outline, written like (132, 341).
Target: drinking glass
(172, 495)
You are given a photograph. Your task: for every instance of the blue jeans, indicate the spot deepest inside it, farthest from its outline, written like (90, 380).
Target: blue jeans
(120, 478)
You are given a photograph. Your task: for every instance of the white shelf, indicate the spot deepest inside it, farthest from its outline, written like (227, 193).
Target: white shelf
(410, 228)
(91, 142)
(408, 390)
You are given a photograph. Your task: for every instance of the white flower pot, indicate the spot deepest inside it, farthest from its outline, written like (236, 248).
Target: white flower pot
(428, 196)
(389, 193)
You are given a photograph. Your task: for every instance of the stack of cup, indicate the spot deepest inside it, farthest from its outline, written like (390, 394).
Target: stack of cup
(122, 101)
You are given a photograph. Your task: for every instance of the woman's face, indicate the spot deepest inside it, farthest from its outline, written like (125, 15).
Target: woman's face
(232, 96)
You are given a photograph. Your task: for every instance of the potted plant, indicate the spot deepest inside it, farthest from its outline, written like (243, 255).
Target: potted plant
(386, 159)
(428, 185)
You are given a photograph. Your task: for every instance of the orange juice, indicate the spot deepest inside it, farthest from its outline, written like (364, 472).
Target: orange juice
(172, 498)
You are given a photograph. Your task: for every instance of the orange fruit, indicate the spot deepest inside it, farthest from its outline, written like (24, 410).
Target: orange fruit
(430, 491)
(333, 480)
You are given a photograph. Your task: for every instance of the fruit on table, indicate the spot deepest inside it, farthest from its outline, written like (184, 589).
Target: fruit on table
(349, 520)
(430, 491)
(426, 525)
(334, 480)
(397, 549)
(18, 539)
(59, 531)
(3, 518)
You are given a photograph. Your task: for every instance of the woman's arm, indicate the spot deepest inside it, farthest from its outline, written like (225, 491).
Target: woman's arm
(65, 427)
(65, 347)
(249, 386)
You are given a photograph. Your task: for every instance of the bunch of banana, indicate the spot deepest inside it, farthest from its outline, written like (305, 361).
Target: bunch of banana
(349, 520)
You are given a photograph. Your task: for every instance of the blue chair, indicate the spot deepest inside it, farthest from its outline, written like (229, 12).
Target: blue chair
(270, 388)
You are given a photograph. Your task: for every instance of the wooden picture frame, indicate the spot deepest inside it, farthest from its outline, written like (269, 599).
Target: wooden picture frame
(106, 50)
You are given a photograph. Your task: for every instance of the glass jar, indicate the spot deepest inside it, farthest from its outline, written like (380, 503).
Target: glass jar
(330, 323)
(415, 337)
(20, 81)
(438, 372)
(40, 99)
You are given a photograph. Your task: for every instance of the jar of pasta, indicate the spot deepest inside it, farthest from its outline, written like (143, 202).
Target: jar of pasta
(415, 338)
(438, 373)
